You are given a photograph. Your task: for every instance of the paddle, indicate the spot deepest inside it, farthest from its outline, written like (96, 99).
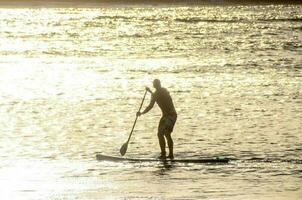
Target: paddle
(125, 146)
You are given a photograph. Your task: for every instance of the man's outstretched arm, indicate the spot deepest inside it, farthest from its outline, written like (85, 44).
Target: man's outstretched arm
(150, 106)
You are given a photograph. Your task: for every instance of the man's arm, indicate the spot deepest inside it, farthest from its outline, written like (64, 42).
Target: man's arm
(151, 104)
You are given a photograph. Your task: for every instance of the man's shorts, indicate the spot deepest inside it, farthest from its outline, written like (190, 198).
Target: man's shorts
(166, 124)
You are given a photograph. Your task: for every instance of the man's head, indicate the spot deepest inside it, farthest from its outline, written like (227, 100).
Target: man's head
(156, 84)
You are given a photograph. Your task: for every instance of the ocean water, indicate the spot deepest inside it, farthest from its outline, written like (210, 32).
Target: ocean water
(71, 81)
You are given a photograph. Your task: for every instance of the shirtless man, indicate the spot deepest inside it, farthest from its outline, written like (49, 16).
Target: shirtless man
(166, 124)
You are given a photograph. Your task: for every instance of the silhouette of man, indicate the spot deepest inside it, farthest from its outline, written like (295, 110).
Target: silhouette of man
(166, 124)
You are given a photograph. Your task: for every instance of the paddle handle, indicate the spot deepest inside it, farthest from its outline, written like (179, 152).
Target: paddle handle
(137, 116)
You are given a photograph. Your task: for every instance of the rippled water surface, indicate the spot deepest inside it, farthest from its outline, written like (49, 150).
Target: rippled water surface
(71, 81)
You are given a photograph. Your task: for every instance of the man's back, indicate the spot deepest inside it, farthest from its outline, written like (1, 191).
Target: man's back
(164, 101)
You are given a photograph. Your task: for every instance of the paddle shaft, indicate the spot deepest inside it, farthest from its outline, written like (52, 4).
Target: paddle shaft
(137, 116)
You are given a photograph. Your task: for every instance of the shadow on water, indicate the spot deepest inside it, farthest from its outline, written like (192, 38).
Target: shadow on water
(164, 167)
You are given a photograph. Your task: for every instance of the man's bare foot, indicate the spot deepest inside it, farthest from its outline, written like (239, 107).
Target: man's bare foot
(162, 157)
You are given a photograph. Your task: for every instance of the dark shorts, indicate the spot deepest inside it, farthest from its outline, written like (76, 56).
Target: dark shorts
(166, 124)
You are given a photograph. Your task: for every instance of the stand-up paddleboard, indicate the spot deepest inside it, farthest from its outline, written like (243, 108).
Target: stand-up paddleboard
(218, 159)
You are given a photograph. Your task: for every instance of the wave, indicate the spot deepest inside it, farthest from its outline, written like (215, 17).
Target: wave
(130, 18)
(198, 20)
(272, 160)
(282, 20)
(142, 35)
(113, 17)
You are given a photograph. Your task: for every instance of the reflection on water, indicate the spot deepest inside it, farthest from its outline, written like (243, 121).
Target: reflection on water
(164, 169)
(71, 81)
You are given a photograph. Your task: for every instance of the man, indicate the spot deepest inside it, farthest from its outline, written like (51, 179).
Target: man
(162, 97)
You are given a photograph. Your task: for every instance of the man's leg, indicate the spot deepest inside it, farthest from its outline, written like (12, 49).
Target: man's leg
(162, 144)
(170, 144)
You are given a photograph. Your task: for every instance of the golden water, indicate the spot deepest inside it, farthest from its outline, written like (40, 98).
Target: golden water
(71, 81)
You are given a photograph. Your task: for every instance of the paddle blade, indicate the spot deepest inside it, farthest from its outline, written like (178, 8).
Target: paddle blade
(124, 149)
